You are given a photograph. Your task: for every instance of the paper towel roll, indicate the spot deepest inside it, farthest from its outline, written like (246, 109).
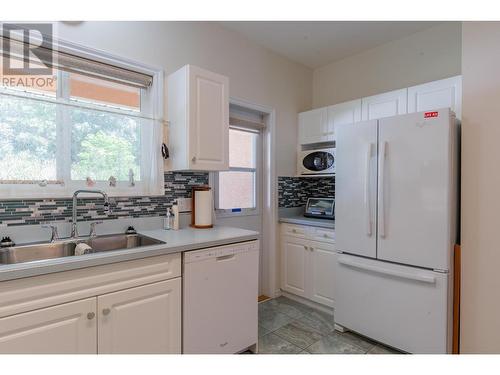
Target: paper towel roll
(203, 207)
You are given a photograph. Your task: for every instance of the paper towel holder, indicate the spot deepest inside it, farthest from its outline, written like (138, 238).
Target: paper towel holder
(193, 205)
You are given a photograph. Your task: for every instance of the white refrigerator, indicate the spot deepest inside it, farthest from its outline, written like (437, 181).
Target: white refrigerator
(396, 226)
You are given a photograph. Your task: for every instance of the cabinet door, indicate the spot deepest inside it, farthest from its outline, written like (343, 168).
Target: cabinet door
(321, 272)
(343, 113)
(445, 93)
(70, 328)
(313, 126)
(208, 120)
(384, 105)
(141, 320)
(294, 253)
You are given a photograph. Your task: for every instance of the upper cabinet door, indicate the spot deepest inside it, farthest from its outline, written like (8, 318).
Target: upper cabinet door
(145, 319)
(198, 113)
(445, 93)
(388, 104)
(209, 120)
(342, 113)
(313, 126)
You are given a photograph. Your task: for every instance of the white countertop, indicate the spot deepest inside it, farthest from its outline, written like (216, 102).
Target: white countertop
(302, 220)
(176, 242)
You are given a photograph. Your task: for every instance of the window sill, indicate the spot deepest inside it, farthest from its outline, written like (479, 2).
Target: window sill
(223, 214)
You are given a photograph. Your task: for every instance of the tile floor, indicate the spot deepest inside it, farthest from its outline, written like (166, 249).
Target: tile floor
(289, 327)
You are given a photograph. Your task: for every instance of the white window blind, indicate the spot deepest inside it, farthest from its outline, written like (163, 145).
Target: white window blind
(69, 62)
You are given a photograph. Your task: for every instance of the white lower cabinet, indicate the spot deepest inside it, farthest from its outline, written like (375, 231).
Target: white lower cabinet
(322, 257)
(70, 328)
(294, 252)
(308, 264)
(141, 320)
(130, 307)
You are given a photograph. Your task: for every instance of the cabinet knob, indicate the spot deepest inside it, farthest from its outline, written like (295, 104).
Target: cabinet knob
(311, 248)
(106, 311)
(193, 159)
(306, 248)
(294, 230)
(326, 235)
(91, 315)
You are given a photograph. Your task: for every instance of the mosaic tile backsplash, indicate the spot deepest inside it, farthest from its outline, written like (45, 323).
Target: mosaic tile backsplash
(37, 211)
(294, 191)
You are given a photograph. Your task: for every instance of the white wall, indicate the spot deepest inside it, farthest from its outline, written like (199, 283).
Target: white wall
(480, 304)
(421, 57)
(256, 74)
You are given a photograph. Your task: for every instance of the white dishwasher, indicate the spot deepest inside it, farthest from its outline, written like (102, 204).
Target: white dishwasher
(220, 291)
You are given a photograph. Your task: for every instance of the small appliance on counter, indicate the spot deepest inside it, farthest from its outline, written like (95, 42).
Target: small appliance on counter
(202, 216)
(320, 208)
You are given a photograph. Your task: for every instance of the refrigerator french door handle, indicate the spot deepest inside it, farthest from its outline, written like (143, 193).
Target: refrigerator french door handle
(384, 271)
(381, 218)
(367, 191)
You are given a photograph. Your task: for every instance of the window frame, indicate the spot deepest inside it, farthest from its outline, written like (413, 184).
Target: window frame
(214, 179)
(151, 109)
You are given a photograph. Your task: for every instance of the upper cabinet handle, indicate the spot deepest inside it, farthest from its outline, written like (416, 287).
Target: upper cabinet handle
(193, 159)
(106, 311)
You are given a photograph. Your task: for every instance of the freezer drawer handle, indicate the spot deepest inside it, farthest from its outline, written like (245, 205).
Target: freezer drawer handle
(402, 275)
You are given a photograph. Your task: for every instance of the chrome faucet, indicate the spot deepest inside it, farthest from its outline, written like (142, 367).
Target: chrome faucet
(74, 229)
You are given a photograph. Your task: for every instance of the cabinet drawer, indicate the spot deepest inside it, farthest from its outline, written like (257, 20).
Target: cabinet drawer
(323, 235)
(295, 230)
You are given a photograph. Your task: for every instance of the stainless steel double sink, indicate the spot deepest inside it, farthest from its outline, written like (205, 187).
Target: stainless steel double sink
(66, 248)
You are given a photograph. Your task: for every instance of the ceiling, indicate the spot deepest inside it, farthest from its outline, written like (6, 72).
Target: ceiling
(318, 43)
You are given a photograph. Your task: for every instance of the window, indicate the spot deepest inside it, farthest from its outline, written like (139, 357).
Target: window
(72, 130)
(237, 190)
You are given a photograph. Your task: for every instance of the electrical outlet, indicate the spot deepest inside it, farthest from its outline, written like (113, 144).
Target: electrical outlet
(184, 204)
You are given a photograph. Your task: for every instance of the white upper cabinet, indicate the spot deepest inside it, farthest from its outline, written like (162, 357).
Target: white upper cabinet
(313, 126)
(198, 114)
(343, 113)
(445, 93)
(384, 105)
(318, 125)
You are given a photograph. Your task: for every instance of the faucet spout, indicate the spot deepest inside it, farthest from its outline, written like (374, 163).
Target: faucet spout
(74, 229)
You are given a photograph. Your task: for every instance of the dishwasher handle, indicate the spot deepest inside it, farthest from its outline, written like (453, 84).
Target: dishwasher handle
(224, 257)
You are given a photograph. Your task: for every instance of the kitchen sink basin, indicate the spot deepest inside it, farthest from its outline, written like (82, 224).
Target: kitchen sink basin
(66, 248)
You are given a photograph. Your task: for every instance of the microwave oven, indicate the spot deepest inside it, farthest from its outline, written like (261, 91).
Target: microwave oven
(317, 162)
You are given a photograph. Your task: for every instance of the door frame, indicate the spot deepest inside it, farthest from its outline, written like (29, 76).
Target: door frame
(269, 196)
